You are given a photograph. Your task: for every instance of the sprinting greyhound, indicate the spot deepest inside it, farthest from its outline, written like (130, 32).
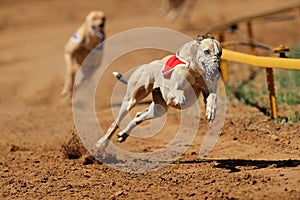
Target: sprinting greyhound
(195, 67)
(83, 41)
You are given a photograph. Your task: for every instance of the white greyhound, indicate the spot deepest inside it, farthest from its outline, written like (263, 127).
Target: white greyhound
(197, 69)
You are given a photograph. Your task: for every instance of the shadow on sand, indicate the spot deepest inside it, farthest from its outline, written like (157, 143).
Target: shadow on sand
(232, 164)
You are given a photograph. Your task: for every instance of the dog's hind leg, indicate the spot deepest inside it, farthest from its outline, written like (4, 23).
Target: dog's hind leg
(125, 107)
(134, 94)
(157, 108)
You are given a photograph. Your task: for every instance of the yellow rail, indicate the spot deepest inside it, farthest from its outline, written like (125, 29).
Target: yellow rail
(261, 61)
(266, 62)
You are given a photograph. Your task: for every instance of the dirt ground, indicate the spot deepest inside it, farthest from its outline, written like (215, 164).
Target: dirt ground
(255, 157)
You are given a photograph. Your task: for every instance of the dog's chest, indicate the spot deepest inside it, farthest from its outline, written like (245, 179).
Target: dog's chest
(90, 43)
(80, 54)
(85, 48)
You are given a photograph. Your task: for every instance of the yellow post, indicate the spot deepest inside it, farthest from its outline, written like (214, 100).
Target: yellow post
(269, 73)
(224, 73)
(272, 95)
(281, 49)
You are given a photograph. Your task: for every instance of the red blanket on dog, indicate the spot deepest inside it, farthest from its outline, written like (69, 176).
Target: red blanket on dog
(172, 62)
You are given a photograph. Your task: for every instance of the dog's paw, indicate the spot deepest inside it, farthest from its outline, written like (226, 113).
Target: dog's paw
(122, 136)
(211, 107)
(64, 94)
(102, 143)
(65, 98)
(178, 98)
(179, 101)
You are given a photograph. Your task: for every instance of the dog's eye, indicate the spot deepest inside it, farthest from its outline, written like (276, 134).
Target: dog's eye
(206, 52)
(220, 54)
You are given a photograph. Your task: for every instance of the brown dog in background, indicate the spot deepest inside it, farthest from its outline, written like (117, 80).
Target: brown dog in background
(87, 37)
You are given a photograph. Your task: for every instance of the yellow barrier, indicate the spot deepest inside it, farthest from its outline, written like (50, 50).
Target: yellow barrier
(261, 61)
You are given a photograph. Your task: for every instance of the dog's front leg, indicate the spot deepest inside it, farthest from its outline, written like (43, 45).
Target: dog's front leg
(179, 82)
(210, 99)
(211, 106)
(69, 77)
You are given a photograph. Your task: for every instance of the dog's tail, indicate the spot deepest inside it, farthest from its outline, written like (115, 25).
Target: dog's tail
(120, 77)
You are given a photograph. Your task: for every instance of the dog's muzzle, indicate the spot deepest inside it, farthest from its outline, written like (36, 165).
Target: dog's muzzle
(212, 69)
(98, 29)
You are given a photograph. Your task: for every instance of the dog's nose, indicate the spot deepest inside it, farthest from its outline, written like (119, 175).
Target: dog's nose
(101, 25)
(216, 59)
(98, 26)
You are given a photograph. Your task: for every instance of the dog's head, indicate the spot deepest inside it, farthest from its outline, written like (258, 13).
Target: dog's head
(95, 22)
(208, 56)
(204, 55)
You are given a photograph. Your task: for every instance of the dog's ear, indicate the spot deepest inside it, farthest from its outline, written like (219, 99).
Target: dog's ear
(218, 47)
(209, 36)
(200, 37)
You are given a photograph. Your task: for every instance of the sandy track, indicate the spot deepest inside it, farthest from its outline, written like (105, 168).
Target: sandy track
(255, 158)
